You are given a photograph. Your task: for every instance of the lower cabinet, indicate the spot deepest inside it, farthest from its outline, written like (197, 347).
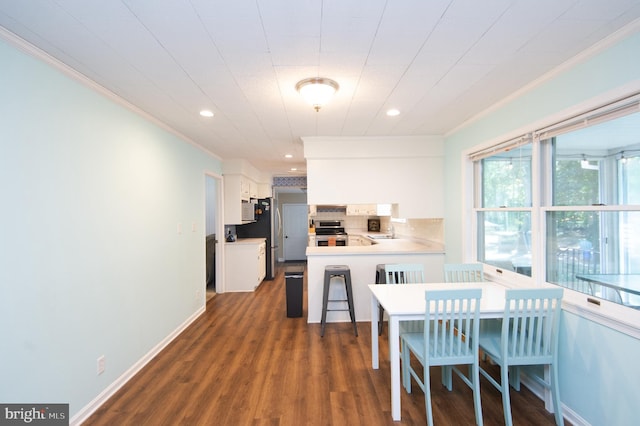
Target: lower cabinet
(245, 264)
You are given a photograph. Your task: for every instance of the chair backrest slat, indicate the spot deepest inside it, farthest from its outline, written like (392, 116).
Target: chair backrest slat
(404, 273)
(451, 316)
(463, 272)
(530, 323)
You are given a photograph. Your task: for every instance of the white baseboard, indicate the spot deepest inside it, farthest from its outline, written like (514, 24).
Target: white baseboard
(538, 390)
(110, 390)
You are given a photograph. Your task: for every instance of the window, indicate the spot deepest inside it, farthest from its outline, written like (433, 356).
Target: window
(576, 187)
(504, 213)
(594, 223)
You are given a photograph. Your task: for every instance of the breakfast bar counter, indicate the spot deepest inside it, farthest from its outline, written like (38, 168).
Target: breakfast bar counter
(382, 246)
(362, 261)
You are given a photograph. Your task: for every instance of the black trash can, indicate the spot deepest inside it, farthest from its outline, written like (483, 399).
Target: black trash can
(293, 276)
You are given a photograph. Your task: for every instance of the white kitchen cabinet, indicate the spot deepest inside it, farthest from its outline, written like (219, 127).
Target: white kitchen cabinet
(237, 188)
(253, 189)
(265, 190)
(383, 209)
(245, 188)
(362, 209)
(407, 171)
(262, 261)
(245, 264)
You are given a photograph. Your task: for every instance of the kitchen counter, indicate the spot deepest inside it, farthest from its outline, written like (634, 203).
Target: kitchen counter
(245, 264)
(246, 241)
(381, 246)
(362, 261)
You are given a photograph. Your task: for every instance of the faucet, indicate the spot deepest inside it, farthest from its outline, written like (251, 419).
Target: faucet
(392, 231)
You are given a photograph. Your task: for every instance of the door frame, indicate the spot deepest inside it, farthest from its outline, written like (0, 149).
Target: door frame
(219, 229)
(285, 220)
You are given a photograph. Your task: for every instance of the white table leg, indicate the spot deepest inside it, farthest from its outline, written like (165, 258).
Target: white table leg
(374, 333)
(394, 354)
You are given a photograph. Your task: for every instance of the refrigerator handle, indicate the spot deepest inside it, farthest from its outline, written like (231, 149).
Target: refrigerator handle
(279, 220)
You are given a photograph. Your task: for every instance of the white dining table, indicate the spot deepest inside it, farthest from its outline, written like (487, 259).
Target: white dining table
(406, 302)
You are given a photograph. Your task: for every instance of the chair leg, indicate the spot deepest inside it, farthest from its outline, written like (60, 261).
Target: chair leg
(514, 377)
(427, 394)
(555, 395)
(447, 380)
(506, 400)
(380, 319)
(405, 357)
(474, 369)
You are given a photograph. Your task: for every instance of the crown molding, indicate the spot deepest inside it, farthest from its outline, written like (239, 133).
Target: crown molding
(600, 46)
(35, 52)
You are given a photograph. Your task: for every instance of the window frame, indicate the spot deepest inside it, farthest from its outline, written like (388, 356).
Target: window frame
(619, 317)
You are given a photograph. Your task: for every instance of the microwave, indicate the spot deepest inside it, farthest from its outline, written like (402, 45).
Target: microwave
(248, 212)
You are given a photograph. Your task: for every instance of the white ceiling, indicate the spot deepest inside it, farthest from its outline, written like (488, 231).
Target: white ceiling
(440, 62)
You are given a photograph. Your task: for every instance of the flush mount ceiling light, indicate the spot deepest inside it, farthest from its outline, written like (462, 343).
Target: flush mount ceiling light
(206, 113)
(317, 90)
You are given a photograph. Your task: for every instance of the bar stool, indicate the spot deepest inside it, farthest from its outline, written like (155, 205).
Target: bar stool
(343, 272)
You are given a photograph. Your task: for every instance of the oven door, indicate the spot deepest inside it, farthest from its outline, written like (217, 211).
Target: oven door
(326, 241)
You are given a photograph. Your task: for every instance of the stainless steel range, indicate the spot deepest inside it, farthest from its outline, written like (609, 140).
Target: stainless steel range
(330, 233)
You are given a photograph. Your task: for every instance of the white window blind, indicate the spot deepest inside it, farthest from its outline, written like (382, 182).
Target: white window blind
(505, 146)
(619, 108)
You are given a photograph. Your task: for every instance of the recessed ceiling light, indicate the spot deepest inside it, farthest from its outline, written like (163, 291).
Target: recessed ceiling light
(288, 156)
(393, 112)
(206, 113)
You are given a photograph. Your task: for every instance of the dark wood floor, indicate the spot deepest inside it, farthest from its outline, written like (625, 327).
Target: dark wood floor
(245, 363)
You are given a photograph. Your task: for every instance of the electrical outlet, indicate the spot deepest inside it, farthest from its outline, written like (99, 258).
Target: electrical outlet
(101, 364)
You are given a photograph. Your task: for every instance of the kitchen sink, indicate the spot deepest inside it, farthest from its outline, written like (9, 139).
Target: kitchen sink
(380, 237)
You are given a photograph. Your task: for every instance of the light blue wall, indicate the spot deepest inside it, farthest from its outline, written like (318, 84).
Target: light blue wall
(599, 372)
(91, 262)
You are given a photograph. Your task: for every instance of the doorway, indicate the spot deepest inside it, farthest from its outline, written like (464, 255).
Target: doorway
(213, 231)
(295, 231)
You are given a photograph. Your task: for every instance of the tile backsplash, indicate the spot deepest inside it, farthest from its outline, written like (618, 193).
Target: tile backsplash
(421, 229)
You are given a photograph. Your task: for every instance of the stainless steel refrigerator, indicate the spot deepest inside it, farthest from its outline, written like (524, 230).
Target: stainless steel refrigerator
(267, 226)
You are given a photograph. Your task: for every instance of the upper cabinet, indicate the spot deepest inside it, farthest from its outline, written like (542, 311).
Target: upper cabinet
(245, 188)
(404, 171)
(236, 190)
(242, 182)
(362, 210)
(253, 189)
